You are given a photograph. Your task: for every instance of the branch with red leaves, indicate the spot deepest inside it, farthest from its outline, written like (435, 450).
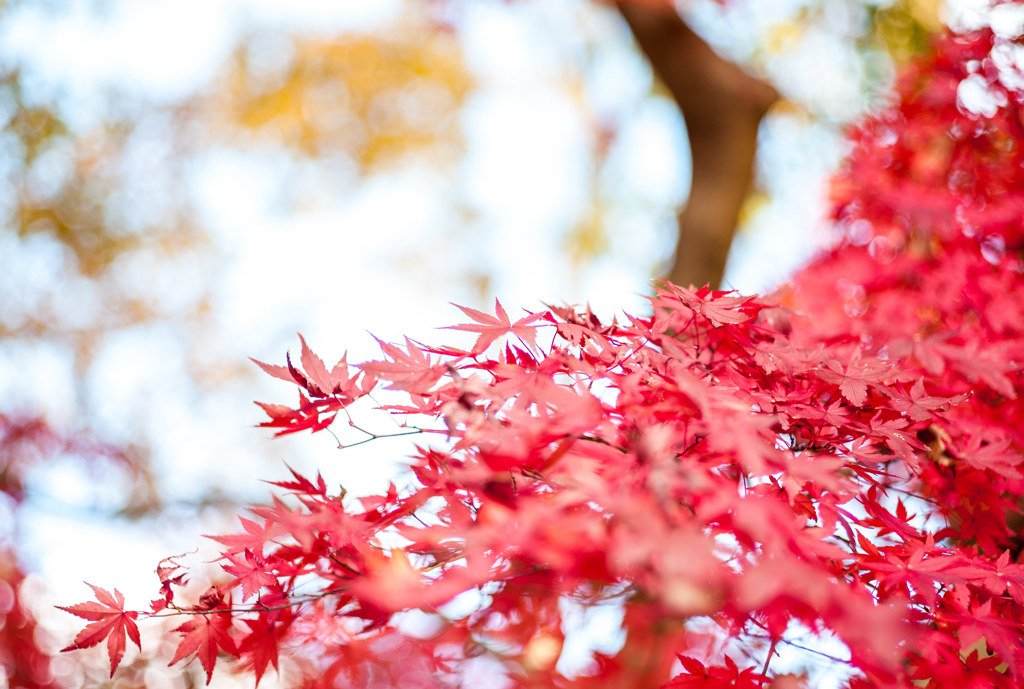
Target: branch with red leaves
(843, 458)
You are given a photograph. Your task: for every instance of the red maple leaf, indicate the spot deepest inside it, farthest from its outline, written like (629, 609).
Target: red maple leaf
(999, 577)
(853, 380)
(335, 382)
(315, 378)
(918, 571)
(280, 372)
(986, 450)
(1001, 634)
(988, 365)
(918, 405)
(253, 539)
(834, 415)
(697, 676)
(717, 307)
(303, 485)
(491, 327)
(259, 646)
(901, 441)
(251, 573)
(410, 370)
(419, 404)
(110, 621)
(204, 635)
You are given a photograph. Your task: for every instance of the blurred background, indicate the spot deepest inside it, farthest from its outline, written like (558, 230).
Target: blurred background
(186, 183)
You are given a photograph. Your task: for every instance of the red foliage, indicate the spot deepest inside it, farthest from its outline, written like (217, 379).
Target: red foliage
(696, 676)
(24, 664)
(845, 456)
(26, 442)
(110, 621)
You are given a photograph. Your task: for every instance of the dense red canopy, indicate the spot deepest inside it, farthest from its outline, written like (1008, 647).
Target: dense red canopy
(844, 454)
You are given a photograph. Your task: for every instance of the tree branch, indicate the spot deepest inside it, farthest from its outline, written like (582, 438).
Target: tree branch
(722, 106)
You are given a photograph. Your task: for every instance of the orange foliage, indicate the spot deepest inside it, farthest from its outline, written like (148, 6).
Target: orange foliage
(371, 97)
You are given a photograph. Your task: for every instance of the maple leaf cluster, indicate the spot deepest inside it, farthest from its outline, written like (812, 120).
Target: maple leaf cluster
(843, 457)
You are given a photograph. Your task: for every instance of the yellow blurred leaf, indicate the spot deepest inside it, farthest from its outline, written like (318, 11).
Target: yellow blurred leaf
(371, 97)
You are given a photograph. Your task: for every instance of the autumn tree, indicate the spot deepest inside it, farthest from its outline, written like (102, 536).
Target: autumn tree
(743, 477)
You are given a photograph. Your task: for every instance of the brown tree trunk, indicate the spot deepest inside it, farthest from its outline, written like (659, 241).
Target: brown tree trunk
(722, 106)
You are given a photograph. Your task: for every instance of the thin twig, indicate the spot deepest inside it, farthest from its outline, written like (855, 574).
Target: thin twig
(767, 660)
(803, 648)
(418, 431)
